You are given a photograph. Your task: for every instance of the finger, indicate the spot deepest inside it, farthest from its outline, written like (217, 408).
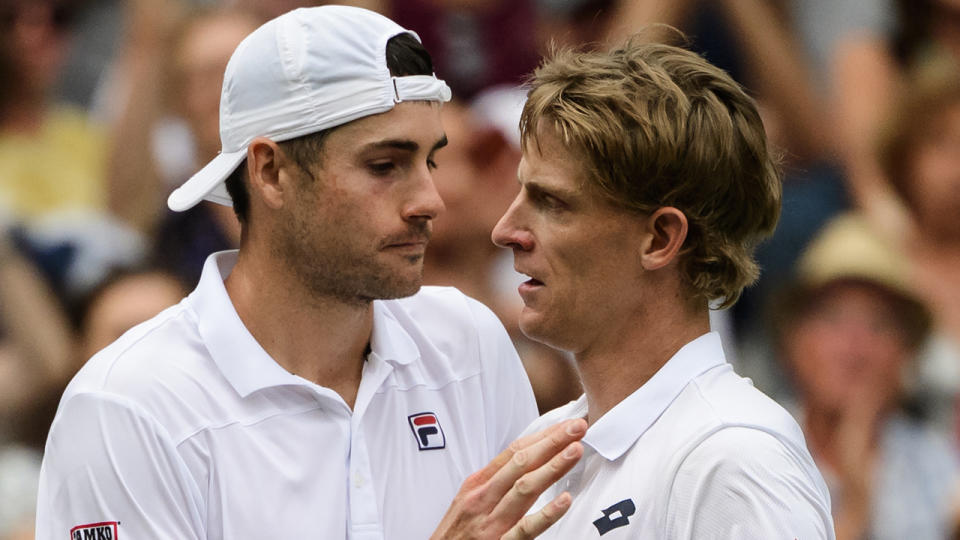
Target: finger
(556, 431)
(535, 524)
(555, 439)
(525, 491)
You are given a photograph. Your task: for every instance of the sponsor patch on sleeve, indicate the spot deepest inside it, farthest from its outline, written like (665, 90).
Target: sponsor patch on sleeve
(105, 530)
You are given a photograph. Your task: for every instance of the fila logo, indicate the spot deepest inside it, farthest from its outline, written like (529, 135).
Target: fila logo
(426, 428)
(615, 516)
(106, 530)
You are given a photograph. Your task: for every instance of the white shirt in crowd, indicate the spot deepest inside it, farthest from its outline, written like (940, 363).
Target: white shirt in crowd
(186, 429)
(696, 452)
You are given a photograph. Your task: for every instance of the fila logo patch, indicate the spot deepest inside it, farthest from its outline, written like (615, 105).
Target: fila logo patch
(106, 530)
(615, 516)
(426, 428)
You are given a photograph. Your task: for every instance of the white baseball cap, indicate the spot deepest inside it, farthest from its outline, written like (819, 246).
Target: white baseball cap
(305, 71)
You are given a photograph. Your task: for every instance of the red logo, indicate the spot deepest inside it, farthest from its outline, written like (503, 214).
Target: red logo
(426, 428)
(106, 530)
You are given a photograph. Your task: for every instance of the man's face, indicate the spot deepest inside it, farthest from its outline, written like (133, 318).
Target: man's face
(357, 230)
(33, 38)
(579, 251)
(847, 346)
(201, 59)
(935, 176)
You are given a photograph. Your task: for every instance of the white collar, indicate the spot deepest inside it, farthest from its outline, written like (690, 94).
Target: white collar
(240, 357)
(616, 431)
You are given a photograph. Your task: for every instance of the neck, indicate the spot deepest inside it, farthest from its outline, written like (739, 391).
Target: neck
(633, 352)
(321, 340)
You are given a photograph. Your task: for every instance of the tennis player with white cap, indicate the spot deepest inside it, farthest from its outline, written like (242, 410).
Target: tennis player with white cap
(308, 387)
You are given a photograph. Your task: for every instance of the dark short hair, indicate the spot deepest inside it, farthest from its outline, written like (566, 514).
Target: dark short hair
(405, 56)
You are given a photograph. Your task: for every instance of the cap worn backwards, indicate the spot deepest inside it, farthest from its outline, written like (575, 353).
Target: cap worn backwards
(308, 70)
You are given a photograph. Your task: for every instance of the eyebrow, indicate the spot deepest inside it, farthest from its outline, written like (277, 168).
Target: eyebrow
(535, 189)
(406, 144)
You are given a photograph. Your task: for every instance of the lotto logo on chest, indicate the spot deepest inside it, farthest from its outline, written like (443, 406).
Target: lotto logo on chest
(426, 429)
(106, 530)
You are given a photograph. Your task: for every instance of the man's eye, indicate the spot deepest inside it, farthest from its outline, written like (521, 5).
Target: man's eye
(382, 167)
(550, 202)
(431, 164)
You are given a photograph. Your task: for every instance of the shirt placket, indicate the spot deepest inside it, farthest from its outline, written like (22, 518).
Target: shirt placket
(364, 516)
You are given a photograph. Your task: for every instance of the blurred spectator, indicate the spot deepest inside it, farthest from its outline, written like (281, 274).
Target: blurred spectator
(474, 43)
(848, 332)
(167, 83)
(52, 159)
(869, 66)
(920, 155)
(201, 49)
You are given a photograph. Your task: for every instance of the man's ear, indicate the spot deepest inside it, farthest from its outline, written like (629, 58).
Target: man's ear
(264, 163)
(667, 230)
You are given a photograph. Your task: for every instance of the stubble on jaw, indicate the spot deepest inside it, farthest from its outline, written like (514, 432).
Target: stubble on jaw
(330, 265)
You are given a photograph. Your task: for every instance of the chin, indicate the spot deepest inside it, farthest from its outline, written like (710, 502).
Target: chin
(401, 289)
(534, 327)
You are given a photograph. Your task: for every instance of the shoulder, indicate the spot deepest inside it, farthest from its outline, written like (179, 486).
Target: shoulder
(158, 369)
(746, 479)
(149, 349)
(737, 451)
(724, 399)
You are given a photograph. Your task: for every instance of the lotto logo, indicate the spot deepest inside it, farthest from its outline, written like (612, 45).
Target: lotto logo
(426, 428)
(615, 516)
(106, 530)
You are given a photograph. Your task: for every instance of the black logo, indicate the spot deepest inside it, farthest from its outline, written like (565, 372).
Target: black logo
(615, 516)
(106, 530)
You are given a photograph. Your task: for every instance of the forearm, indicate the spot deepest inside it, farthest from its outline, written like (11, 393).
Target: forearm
(33, 317)
(781, 75)
(136, 190)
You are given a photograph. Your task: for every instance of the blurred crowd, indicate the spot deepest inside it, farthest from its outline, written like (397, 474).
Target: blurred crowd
(107, 105)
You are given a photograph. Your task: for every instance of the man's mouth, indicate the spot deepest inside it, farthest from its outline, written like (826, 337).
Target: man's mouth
(411, 243)
(531, 281)
(418, 239)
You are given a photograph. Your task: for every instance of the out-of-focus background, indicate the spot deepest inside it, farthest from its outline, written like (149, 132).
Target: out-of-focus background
(107, 105)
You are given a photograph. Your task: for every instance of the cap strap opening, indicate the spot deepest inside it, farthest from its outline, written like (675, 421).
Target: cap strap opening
(420, 88)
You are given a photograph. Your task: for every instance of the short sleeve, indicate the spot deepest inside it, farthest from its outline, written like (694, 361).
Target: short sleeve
(108, 464)
(509, 397)
(742, 483)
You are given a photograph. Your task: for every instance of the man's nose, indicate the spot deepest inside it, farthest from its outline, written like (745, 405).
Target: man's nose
(508, 232)
(426, 202)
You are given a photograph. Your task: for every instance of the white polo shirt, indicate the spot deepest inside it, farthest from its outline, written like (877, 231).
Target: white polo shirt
(186, 429)
(696, 452)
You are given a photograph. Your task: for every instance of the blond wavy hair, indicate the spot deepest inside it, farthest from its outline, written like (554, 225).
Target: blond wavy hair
(656, 125)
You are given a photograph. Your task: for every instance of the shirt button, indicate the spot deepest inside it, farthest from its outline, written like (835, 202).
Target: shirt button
(358, 480)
